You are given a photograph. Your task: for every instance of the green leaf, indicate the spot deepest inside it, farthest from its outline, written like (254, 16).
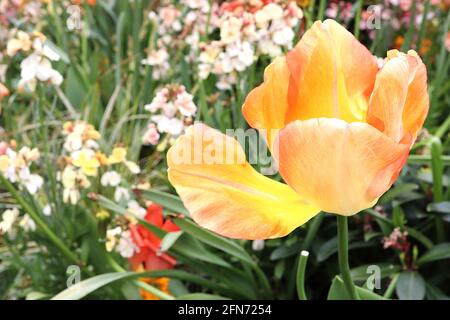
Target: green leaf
(36, 295)
(438, 252)
(329, 247)
(339, 292)
(189, 247)
(85, 287)
(397, 191)
(410, 286)
(216, 241)
(441, 207)
(434, 293)
(201, 296)
(88, 286)
(284, 251)
(169, 240)
(166, 200)
(398, 217)
(62, 54)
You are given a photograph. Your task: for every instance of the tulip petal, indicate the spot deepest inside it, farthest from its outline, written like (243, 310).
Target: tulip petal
(399, 103)
(331, 75)
(339, 167)
(225, 194)
(266, 106)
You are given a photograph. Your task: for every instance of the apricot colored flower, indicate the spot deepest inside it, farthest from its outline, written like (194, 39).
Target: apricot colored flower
(339, 128)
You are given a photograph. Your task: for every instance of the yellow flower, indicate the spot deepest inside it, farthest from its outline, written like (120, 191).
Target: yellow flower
(102, 214)
(87, 164)
(21, 42)
(4, 162)
(133, 167)
(117, 156)
(91, 133)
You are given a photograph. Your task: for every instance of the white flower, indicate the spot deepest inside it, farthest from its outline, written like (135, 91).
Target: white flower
(71, 195)
(121, 193)
(126, 247)
(43, 49)
(47, 210)
(110, 178)
(72, 180)
(133, 167)
(136, 210)
(230, 30)
(185, 104)
(284, 36)
(172, 126)
(27, 224)
(156, 58)
(32, 182)
(111, 238)
(37, 67)
(9, 217)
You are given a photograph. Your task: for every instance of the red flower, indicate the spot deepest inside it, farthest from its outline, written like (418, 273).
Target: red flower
(149, 256)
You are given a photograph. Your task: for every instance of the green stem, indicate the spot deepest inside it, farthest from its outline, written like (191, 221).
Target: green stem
(312, 230)
(356, 29)
(160, 294)
(342, 229)
(262, 277)
(390, 289)
(40, 223)
(322, 7)
(301, 275)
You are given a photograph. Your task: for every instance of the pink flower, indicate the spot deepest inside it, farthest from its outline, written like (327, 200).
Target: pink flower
(151, 136)
(3, 148)
(185, 104)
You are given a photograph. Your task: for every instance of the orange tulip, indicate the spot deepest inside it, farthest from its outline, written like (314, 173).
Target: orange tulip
(343, 131)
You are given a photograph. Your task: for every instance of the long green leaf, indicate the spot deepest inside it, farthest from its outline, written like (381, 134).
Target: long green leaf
(214, 240)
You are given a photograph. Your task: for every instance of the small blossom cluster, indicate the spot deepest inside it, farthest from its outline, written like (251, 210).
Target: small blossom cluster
(246, 30)
(119, 236)
(24, 10)
(397, 240)
(11, 219)
(84, 161)
(172, 110)
(37, 65)
(119, 239)
(175, 27)
(394, 13)
(16, 166)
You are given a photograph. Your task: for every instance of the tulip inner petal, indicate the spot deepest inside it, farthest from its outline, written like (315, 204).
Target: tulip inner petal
(230, 197)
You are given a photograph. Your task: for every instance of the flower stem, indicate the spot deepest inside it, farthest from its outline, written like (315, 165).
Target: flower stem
(40, 222)
(342, 230)
(301, 275)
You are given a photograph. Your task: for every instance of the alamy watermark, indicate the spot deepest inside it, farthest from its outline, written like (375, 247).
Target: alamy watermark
(74, 273)
(206, 146)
